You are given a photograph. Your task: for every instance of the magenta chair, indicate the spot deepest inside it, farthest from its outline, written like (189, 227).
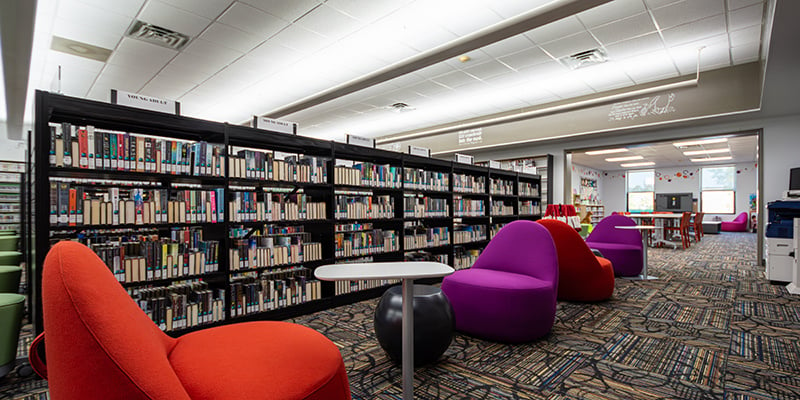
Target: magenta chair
(623, 247)
(739, 224)
(509, 294)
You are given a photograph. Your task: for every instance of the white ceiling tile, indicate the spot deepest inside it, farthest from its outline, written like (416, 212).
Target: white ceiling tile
(100, 93)
(526, 58)
(745, 53)
(210, 9)
(301, 39)
(75, 81)
(454, 79)
(230, 37)
(556, 30)
(687, 11)
(736, 4)
(747, 16)
(544, 71)
(632, 47)
(653, 4)
(123, 78)
(715, 54)
(274, 54)
(508, 46)
(418, 33)
(637, 25)
(605, 76)
(107, 26)
(252, 20)
(357, 61)
(135, 54)
(221, 54)
(429, 88)
(167, 87)
(612, 11)
(286, 10)
(565, 86)
(329, 22)
(488, 70)
(461, 17)
(170, 17)
(367, 11)
(649, 67)
(184, 67)
(693, 31)
(196, 65)
(570, 45)
(434, 70)
(128, 8)
(746, 36)
(508, 9)
(74, 62)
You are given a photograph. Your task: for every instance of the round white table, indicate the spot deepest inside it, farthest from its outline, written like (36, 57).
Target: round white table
(643, 229)
(405, 270)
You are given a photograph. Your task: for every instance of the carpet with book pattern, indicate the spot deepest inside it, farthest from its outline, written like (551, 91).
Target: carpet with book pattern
(710, 328)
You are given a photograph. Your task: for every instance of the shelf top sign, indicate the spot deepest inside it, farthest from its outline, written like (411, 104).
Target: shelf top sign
(419, 151)
(464, 159)
(145, 102)
(494, 164)
(275, 125)
(360, 141)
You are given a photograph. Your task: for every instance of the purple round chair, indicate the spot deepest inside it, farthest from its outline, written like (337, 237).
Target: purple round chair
(509, 294)
(620, 246)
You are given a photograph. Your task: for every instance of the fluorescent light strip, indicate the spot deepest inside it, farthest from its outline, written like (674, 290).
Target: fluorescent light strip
(607, 151)
(628, 158)
(710, 159)
(538, 112)
(701, 152)
(700, 142)
(638, 164)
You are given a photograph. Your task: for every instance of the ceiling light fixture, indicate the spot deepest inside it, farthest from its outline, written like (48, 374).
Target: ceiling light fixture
(701, 152)
(638, 164)
(464, 58)
(627, 158)
(710, 159)
(700, 142)
(606, 151)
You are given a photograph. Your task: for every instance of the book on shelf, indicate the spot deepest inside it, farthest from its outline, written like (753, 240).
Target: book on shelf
(365, 242)
(269, 250)
(501, 208)
(265, 165)
(502, 187)
(419, 237)
(247, 206)
(363, 206)
(528, 189)
(253, 293)
(469, 233)
(367, 174)
(89, 147)
(420, 179)
(181, 305)
(425, 207)
(466, 207)
(464, 258)
(463, 183)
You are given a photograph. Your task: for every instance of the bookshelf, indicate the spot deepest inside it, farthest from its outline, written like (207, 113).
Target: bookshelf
(10, 195)
(212, 223)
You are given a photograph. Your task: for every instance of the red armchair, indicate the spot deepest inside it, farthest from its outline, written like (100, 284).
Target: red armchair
(101, 345)
(739, 224)
(582, 276)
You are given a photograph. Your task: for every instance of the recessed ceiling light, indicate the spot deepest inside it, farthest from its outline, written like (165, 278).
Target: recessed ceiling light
(626, 158)
(638, 164)
(700, 152)
(464, 58)
(79, 49)
(699, 142)
(710, 159)
(606, 151)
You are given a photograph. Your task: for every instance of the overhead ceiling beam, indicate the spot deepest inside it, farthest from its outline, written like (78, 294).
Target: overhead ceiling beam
(16, 39)
(524, 22)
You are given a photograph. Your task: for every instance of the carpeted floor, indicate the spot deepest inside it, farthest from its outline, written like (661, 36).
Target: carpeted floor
(710, 328)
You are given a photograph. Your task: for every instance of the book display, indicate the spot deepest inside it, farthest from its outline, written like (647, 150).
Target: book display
(207, 223)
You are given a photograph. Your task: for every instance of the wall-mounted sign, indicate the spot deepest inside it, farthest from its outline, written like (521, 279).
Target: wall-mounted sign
(275, 125)
(642, 107)
(145, 102)
(360, 141)
(419, 151)
(470, 136)
(464, 159)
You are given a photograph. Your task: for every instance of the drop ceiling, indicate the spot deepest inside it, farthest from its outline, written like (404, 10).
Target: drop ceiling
(741, 149)
(254, 56)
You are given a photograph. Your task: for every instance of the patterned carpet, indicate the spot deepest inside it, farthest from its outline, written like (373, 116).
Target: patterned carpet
(710, 328)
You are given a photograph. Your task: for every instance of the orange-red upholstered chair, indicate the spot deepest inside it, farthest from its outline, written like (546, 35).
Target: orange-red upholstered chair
(582, 276)
(101, 345)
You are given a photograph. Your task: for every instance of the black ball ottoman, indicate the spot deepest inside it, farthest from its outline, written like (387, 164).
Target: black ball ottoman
(434, 323)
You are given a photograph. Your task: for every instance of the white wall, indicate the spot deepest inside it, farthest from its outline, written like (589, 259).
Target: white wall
(11, 150)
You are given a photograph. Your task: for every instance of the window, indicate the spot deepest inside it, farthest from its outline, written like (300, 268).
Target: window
(718, 185)
(641, 191)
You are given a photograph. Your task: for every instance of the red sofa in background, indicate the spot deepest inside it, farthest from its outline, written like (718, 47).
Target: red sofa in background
(739, 224)
(582, 276)
(100, 345)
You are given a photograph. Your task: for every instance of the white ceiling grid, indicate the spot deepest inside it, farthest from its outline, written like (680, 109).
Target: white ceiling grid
(252, 56)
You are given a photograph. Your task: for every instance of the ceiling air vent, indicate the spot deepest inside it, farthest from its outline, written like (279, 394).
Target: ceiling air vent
(585, 58)
(157, 35)
(400, 107)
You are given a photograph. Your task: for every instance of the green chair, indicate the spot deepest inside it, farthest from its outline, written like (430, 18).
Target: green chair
(9, 278)
(11, 309)
(8, 233)
(9, 242)
(586, 229)
(10, 257)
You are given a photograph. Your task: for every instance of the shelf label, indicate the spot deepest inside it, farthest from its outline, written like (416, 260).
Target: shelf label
(419, 151)
(275, 125)
(145, 102)
(494, 164)
(360, 141)
(464, 159)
